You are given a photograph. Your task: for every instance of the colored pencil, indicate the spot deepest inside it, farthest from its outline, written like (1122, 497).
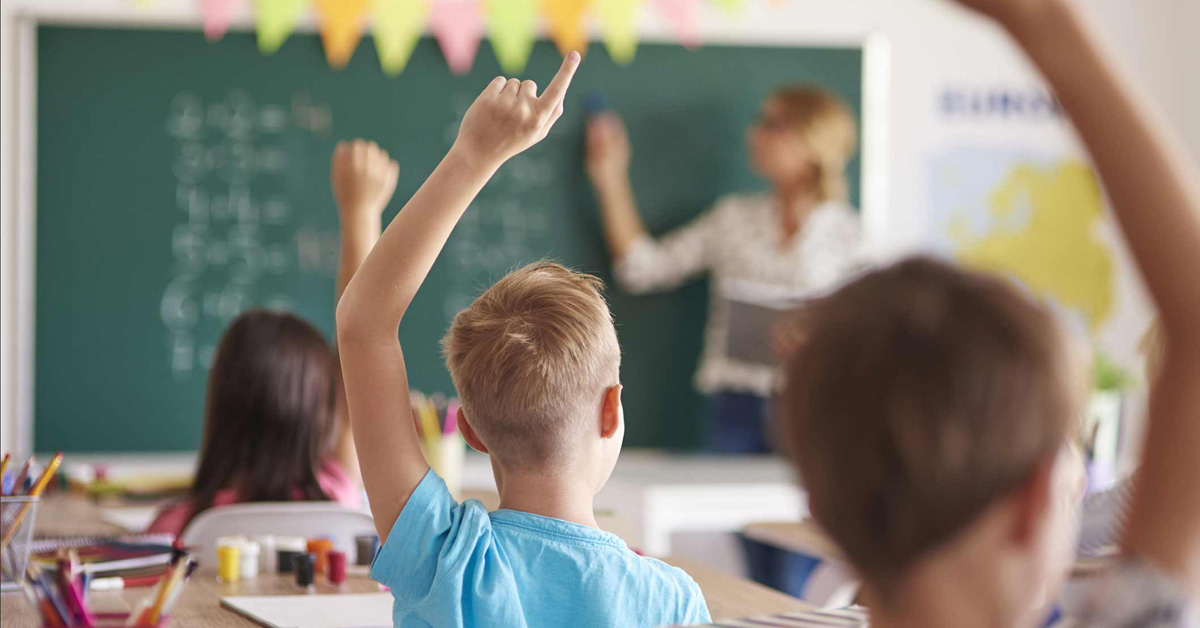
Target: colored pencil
(20, 479)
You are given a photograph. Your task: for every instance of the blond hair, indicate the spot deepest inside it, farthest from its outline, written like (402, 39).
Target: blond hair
(828, 131)
(923, 394)
(531, 359)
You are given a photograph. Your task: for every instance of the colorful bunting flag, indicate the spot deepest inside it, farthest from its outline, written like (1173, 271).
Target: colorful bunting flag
(341, 24)
(276, 19)
(729, 6)
(564, 18)
(511, 28)
(618, 26)
(217, 16)
(398, 26)
(683, 16)
(458, 26)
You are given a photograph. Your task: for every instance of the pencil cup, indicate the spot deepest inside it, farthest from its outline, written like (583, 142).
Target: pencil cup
(445, 455)
(17, 515)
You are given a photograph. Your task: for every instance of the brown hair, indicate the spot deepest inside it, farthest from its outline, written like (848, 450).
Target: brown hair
(531, 359)
(921, 395)
(828, 131)
(268, 413)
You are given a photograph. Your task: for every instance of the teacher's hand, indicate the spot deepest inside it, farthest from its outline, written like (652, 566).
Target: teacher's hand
(607, 151)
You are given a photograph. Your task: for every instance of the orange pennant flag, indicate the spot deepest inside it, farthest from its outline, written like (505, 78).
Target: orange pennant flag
(564, 18)
(341, 24)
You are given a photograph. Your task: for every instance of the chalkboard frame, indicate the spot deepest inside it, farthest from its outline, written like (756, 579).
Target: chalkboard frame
(17, 386)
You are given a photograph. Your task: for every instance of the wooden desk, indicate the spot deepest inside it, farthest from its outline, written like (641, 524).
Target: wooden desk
(730, 597)
(727, 596)
(801, 537)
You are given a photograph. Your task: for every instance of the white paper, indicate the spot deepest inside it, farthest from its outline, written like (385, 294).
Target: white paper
(366, 610)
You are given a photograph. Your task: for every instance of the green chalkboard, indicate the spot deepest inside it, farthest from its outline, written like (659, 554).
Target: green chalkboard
(179, 182)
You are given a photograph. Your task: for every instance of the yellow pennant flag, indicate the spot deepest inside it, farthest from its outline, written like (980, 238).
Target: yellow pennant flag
(729, 6)
(398, 27)
(618, 26)
(511, 28)
(341, 24)
(564, 18)
(275, 20)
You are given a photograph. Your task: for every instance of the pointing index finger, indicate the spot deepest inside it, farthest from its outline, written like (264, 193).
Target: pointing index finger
(557, 89)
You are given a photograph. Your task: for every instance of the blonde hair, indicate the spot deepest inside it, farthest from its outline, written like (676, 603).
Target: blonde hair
(531, 359)
(828, 131)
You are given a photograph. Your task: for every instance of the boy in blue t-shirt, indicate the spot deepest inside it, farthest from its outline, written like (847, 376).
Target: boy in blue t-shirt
(536, 362)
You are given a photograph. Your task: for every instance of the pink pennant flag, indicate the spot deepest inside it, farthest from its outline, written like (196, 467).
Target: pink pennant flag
(217, 16)
(458, 27)
(683, 16)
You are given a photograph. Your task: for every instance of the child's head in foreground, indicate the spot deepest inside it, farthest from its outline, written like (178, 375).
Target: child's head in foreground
(930, 413)
(536, 363)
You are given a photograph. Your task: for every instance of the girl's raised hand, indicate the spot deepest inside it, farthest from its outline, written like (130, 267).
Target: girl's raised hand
(509, 116)
(363, 178)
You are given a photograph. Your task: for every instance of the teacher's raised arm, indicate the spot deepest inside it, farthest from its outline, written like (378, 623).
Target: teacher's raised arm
(800, 236)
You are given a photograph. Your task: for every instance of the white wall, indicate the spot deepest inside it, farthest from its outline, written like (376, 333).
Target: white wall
(931, 43)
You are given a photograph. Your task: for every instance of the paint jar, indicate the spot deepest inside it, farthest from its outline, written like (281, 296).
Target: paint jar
(337, 567)
(320, 548)
(303, 565)
(266, 557)
(287, 548)
(366, 545)
(248, 561)
(228, 567)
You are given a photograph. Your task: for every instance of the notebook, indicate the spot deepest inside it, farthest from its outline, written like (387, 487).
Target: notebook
(124, 555)
(365, 610)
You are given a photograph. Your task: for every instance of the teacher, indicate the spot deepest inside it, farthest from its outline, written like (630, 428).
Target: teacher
(800, 237)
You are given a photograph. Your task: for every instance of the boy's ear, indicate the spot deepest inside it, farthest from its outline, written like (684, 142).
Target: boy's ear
(468, 432)
(610, 412)
(1032, 502)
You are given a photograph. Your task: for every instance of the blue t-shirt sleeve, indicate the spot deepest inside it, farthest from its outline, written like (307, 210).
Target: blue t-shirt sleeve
(432, 534)
(695, 608)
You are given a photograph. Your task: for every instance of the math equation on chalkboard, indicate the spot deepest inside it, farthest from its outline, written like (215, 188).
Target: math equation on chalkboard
(236, 238)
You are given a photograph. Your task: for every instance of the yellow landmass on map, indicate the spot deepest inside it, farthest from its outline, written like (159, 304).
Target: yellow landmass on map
(1043, 234)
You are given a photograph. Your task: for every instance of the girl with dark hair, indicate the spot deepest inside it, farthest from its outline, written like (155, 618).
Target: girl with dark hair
(275, 425)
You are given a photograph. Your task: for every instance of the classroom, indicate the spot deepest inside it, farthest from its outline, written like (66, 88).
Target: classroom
(362, 313)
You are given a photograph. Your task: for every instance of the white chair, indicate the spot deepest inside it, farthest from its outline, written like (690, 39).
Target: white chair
(303, 519)
(831, 585)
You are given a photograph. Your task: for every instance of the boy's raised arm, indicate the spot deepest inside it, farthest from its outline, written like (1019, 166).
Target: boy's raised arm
(1154, 188)
(507, 118)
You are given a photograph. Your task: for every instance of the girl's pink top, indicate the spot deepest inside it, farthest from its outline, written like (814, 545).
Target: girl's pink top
(333, 480)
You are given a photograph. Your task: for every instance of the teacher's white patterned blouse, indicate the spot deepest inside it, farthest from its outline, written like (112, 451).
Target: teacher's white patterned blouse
(741, 240)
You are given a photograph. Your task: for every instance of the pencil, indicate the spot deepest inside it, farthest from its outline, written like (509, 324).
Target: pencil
(181, 567)
(4, 464)
(20, 479)
(429, 426)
